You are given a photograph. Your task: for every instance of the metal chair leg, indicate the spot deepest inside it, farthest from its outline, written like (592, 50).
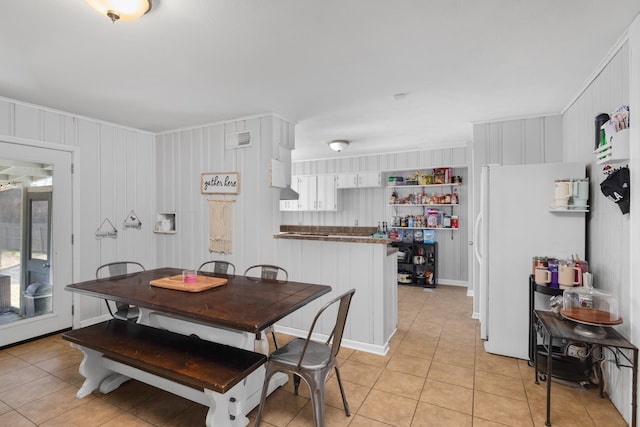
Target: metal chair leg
(296, 384)
(265, 387)
(344, 396)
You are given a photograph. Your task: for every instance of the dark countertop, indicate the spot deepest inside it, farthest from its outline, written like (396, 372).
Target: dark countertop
(332, 238)
(330, 234)
(328, 230)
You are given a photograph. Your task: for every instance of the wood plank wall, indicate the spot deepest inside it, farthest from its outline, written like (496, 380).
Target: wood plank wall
(511, 142)
(183, 155)
(367, 206)
(114, 168)
(608, 237)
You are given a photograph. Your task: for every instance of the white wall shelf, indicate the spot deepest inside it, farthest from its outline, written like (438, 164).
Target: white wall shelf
(564, 211)
(410, 205)
(426, 228)
(165, 223)
(422, 186)
(615, 150)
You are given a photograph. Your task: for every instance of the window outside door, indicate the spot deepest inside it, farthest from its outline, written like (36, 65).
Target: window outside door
(36, 252)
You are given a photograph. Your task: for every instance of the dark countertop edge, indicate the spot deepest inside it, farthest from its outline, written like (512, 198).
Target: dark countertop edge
(392, 250)
(346, 239)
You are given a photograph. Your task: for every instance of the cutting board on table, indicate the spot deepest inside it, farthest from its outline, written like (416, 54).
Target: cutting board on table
(202, 283)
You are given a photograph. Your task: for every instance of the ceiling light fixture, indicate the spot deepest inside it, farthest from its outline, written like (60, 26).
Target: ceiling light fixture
(339, 144)
(121, 10)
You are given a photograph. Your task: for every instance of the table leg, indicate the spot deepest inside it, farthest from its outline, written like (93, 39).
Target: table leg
(549, 359)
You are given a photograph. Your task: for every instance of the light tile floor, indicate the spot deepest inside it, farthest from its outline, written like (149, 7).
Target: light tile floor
(435, 374)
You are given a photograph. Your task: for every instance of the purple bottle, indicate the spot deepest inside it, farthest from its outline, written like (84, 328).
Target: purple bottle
(553, 268)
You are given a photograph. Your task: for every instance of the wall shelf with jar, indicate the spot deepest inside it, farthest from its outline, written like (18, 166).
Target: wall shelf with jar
(413, 199)
(165, 223)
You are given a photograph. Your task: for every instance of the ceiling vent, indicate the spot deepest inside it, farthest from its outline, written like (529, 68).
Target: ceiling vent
(238, 139)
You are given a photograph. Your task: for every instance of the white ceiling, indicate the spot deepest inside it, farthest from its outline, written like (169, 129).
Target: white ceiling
(332, 66)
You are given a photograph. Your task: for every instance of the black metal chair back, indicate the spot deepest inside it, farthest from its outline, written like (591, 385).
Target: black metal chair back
(220, 267)
(267, 271)
(123, 311)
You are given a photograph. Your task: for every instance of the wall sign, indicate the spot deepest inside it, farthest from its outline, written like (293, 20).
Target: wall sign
(220, 183)
(110, 231)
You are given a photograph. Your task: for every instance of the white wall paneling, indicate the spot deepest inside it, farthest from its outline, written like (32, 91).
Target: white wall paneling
(114, 167)
(344, 265)
(182, 156)
(634, 165)
(509, 142)
(608, 230)
(367, 206)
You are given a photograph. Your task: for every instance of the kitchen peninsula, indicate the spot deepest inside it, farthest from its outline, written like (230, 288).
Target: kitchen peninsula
(344, 258)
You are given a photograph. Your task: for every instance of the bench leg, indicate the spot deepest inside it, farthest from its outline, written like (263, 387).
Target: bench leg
(254, 383)
(112, 382)
(91, 368)
(227, 409)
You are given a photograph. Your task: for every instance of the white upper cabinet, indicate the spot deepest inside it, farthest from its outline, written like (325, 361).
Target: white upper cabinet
(326, 194)
(316, 193)
(307, 189)
(347, 180)
(291, 205)
(358, 180)
(369, 179)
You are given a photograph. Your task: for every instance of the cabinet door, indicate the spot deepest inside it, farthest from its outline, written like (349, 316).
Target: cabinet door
(326, 193)
(369, 179)
(347, 180)
(307, 189)
(291, 205)
(288, 205)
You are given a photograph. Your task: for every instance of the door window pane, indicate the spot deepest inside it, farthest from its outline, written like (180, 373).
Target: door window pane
(39, 229)
(10, 250)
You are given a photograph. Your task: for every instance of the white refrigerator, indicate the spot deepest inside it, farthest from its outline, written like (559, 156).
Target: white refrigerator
(517, 222)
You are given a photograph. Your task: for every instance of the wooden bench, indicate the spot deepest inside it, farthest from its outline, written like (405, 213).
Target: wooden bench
(206, 372)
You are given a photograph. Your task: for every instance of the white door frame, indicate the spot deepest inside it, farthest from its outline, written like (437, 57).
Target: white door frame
(62, 251)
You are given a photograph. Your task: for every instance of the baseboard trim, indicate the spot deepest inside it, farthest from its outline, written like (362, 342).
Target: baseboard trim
(380, 350)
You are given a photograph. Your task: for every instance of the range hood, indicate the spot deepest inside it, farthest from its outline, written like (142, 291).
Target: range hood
(287, 193)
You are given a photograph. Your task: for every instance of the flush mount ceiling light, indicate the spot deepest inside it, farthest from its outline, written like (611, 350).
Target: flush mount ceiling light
(339, 144)
(121, 10)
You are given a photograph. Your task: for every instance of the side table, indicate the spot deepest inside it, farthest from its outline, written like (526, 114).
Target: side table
(550, 327)
(564, 367)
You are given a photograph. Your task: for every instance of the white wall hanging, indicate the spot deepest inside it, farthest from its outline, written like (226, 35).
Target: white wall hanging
(132, 221)
(112, 233)
(221, 225)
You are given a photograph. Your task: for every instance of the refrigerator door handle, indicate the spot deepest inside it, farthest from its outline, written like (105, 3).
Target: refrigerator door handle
(476, 235)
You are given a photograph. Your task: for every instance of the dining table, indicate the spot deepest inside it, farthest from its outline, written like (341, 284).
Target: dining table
(236, 313)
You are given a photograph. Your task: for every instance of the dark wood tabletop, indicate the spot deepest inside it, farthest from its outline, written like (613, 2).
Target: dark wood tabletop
(245, 304)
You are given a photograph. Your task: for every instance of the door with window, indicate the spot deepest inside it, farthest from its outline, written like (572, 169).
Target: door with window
(37, 254)
(35, 241)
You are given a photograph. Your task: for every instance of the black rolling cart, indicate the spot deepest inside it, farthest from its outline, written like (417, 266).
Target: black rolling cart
(552, 329)
(568, 368)
(420, 262)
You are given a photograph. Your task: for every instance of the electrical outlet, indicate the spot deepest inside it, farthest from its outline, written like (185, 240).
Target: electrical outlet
(355, 223)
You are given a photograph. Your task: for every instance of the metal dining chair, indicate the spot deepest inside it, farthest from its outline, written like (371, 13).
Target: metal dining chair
(123, 311)
(220, 267)
(267, 271)
(312, 361)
